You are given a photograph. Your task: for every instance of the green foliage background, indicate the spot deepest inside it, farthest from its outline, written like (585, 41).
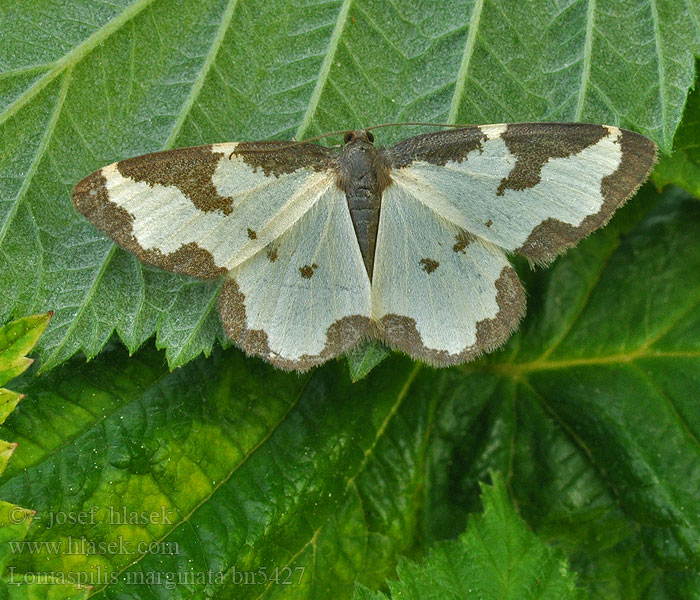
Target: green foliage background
(590, 412)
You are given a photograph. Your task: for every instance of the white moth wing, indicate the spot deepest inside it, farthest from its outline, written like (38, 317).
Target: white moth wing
(466, 192)
(203, 211)
(439, 293)
(532, 188)
(271, 217)
(306, 297)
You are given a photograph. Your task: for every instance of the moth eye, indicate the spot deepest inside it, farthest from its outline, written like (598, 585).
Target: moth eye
(370, 136)
(348, 137)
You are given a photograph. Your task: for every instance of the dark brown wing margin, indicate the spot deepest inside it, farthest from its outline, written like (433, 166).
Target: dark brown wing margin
(437, 147)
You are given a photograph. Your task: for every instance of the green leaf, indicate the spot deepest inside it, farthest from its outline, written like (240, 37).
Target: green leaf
(591, 412)
(364, 358)
(84, 84)
(16, 340)
(14, 524)
(592, 408)
(682, 168)
(497, 557)
(244, 467)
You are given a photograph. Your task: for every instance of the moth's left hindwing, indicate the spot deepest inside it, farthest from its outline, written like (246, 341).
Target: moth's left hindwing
(267, 214)
(307, 297)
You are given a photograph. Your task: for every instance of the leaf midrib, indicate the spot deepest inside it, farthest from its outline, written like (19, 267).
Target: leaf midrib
(520, 370)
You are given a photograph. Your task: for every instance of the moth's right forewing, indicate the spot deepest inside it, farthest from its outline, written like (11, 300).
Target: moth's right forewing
(531, 188)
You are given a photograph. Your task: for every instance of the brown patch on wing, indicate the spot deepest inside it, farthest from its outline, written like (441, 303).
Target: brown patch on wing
(252, 234)
(437, 148)
(488, 223)
(400, 332)
(272, 254)
(188, 169)
(340, 336)
(278, 158)
(307, 271)
(552, 237)
(429, 265)
(533, 144)
(463, 239)
(91, 199)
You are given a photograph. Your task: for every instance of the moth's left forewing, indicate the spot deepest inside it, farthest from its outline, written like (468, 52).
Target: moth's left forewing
(203, 210)
(531, 188)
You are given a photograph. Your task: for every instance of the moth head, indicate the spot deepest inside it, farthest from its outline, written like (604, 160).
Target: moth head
(359, 136)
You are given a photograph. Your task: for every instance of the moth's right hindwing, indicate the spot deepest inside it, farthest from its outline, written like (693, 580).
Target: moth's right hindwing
(439, 293)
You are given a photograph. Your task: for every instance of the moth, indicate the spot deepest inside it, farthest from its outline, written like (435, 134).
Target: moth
(322, 247)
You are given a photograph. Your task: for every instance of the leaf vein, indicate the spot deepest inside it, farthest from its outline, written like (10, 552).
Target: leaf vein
(587, 52)
(203, 72)
(660, 64)
(245, 458)
(324, 72)
(38, 155)
(460, 83)
(75, 321)
(74, 56)
(672, 406)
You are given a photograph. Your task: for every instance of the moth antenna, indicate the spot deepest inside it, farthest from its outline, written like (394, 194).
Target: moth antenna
(323, 135)
(422, 124)
(292, 143)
